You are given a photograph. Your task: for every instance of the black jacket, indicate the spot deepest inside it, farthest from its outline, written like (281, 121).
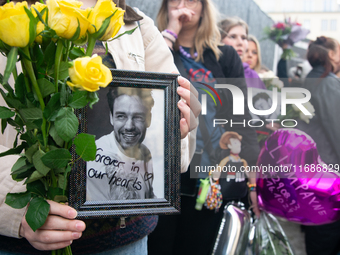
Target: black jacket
(229, 66)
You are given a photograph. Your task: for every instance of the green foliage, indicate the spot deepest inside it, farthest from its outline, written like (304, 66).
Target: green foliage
(37, 213)
(18, 200)
(85, 146)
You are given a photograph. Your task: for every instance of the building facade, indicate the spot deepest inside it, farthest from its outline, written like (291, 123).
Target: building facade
(321, 17)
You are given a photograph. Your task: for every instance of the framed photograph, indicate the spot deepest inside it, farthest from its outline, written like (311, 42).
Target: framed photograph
(137, 165)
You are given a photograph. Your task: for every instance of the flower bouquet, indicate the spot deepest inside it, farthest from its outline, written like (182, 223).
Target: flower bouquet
(58, 77)
(285, 34)
(271, 80)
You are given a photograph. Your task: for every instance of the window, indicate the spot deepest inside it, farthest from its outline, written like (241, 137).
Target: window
(306, 24)
(324, 25)
(308, 5)
(327, 5)
(333, 25)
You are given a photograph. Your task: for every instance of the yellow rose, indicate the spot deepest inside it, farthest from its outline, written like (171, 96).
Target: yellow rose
(63, 17)
(14, 24)
(102, 10)
(40, 25)
(89, 73)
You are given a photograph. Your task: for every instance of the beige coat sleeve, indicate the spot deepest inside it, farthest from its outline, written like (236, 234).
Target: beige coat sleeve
(10, 218)
(158, 58)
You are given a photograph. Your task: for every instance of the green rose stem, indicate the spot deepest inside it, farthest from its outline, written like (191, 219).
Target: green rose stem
(58, 55)
(29, 68)
(90, 45)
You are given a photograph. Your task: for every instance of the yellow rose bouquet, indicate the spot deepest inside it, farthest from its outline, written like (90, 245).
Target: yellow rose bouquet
(58, 77)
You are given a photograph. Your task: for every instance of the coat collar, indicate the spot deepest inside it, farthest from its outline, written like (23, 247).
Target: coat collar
(130, 15)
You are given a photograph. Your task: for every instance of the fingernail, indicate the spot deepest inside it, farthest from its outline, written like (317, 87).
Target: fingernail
(180, 89)
(76, 234)
(72, 213)
(79, 226)
(180, 79)
(181, 103)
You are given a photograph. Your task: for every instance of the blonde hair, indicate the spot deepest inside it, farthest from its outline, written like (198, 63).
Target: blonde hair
(227, 24)
(207, 36)
(258, 65)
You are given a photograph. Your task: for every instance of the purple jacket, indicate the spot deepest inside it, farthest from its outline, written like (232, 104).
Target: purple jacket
(252, 78)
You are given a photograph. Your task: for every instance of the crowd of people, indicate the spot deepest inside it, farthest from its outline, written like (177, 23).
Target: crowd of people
(189, 39)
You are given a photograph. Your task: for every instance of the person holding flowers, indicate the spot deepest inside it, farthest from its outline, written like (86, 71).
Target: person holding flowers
(45, 96)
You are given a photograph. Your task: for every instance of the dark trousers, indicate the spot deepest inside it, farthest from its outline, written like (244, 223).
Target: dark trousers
(191, 232)
(323, 239)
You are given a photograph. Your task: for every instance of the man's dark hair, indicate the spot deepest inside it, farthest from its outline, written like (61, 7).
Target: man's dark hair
(143, 93)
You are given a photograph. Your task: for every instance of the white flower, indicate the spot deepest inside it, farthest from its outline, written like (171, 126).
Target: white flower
(276, 82)
(308, 106)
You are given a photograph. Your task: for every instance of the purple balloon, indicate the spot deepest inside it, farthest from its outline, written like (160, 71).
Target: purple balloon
(294, 183)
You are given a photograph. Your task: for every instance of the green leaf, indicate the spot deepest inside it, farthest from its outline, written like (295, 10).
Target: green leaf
(63, 70)
(6, 113)
(49, 55)
(20, 87)
(21, 169)
(14, 151)
(54, 191)
(11, 102)
(23, 172)
(36, 187)
(37, 213)
(52, 107)
(46, 87)
(57, 158)
(11, 61)
(56, 137)
(28, 136)
(76, 52)
(66, 124)
(78, 99)
(31, 151)
(86, 146)
(34, 176)
(60, 199)
(18, 164)
(18, 200)
(61, 181)
(129, 32)
(3, 125)
(31, 114)
(32, 25)
(13, 123)
(39, 165)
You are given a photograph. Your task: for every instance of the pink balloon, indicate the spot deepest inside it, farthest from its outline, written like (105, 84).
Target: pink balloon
(294, 183)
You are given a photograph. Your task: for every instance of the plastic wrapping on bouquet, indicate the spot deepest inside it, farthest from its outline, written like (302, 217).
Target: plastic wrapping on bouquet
(294, 183)
(232, 238)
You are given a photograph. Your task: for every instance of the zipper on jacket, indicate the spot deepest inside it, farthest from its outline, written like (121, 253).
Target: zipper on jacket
(122, 222)
(139, 59)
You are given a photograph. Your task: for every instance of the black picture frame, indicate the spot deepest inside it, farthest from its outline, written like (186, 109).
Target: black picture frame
(167, 201)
